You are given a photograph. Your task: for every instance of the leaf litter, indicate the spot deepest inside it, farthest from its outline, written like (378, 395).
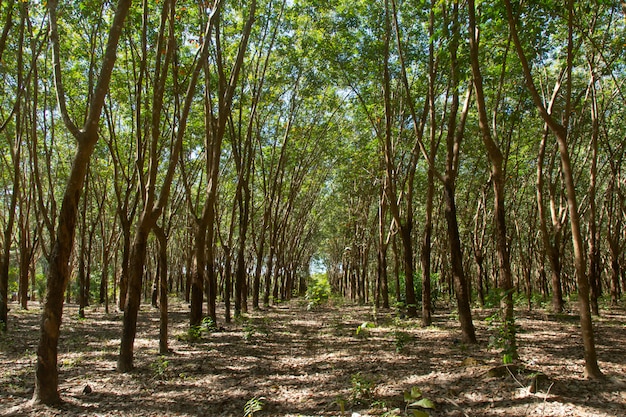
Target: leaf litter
(320, 362)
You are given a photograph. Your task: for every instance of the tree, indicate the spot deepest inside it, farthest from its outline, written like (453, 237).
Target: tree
(560, 130)
(454, 135)
(46, 378)
(215, 125)
(498, 174)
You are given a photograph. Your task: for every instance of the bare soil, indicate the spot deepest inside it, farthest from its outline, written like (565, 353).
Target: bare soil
(320, 362)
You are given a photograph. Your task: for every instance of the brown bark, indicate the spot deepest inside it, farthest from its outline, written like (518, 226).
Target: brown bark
(594, 234)
(405, 226)
(382, 287)
(456, 263)
(162, 271)
(46, 372)
(426, 249)
(15, 151)
(592, 369)
(551, 248)
(496, 159)
(154, 205)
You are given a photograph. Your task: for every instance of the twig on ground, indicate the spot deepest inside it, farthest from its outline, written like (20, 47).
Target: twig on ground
(454, 403)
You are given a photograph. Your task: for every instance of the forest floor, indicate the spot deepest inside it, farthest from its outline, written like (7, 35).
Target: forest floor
(298, 362)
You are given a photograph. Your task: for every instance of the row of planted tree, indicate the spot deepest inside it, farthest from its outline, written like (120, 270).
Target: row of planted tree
(215, 149)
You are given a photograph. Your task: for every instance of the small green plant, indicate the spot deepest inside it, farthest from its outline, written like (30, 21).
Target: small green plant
(208, 325)
(401, 339)
(253, 405)
(341, 403)
(415, 401)
(503, 337)
(362, 387)
(317, 291)
(159, 368)
(248, 332)
(362, 331)
(195, 333)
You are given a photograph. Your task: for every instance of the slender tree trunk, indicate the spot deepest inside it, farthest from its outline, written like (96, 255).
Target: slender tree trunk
(199, 269)
(594, 238)
(15, 146)
(458, 273)
(405, 227)
(496, 159)
(46, 372)
(592, 370)
(552, 249)
(133, 298)
(382, 290)
(163, 290)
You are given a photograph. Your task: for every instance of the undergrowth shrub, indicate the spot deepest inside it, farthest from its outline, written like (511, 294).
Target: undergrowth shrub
(318, 290)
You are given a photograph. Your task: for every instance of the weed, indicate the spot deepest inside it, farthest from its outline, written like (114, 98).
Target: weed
(341, 403)
(401, 339)
(362, 387)
(253, 405)
(504, 336)
(195, 333)
(248, 332)
(416, 401)
(69, 363)
(362, 331)
(159, 368)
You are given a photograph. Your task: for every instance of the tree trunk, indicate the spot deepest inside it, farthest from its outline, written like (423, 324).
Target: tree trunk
(496, 159)
(594, 238)
(133, 298)
(163, 291)
(46, 372)
(198, 271)
(458, 273)
(592, 369)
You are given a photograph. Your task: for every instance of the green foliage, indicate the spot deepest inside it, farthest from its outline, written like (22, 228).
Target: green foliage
(415, 402)
(318, 290)
(248, 331)
(401, 339)
(362, 330)
(159, 368)
(253, 405)
(503, 337)
(195, 333)
(362, 387)
(341, 403)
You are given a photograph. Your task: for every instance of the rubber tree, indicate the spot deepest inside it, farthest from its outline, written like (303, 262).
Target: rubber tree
(561, 132)
(155, 203)
(215, 129)
(454, 132)
(14, 145)
(46, 372)
(498, 175)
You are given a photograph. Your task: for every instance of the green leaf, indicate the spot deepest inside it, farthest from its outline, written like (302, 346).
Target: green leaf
(424, 403)
(419, 413)
(416, 393)
(407, 397)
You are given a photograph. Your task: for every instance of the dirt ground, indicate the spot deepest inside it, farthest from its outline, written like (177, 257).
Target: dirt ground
(290, 361)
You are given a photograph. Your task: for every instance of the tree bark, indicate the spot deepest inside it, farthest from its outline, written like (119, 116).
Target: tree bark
(15, 151)
(162, 269)
(496, 159)
(592, 370)
(458, 273)
(46, 372)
